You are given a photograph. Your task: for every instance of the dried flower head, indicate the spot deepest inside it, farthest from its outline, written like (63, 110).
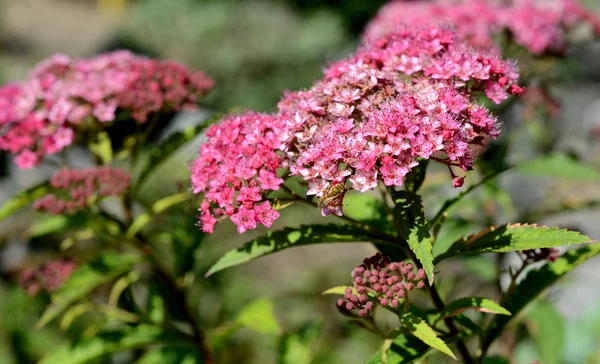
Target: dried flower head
(48, 277)
(75, 187)
(63, 95)
(380, 281)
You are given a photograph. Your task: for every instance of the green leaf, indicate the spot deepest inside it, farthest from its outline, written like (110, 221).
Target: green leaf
(477, 303)
(276, 241)
(451, 202)
(300, 347)
(156, 304)
(158, 207)
(418, 327)
(409, 216)
(23, 198)
(515, 237)
(102, 147)
(367, 208)
(404, 349)
(108, 342)
(85, 279)
(259, 316)
(415, 178)
(171, 355)
(534, 283)
(162, 152)
(547, 329)
(559, 165)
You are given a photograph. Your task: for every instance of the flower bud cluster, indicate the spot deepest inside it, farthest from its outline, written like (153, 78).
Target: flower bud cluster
(48, 277)
(63, 95)
(237, 166)
(538, 255)
(74, 188)
(379, 280)
(539, 26)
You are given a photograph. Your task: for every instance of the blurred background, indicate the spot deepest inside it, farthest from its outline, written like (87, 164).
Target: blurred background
(255, 50)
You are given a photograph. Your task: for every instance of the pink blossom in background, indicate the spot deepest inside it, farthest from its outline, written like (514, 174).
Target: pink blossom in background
(74, 187)
(64, 95)
(539, 26)
(409, 95)
(49, 276)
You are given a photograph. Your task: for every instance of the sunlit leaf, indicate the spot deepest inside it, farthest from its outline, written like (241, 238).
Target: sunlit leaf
(101, 147)
(85, 279)
(171, 355)
(260, 317)
(513, 237)
(23, 198)
(409, 216)
(534, 283)
(476, 303)
(418, 327)
(404, 349)
(275, 241)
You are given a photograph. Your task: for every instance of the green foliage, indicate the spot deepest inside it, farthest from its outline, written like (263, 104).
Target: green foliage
(156, 304)
(547, 329)
(160, 153)
(276, 241)
(515, 237)
(476, 303)
(23, 198)
(559, 166)
(299, 347)
(171, 355)
(404, 349)
(534, 283)
(85, 279)
(415, 178)
(101, 147)
(111, 341)
(259, 316)
(409, 216)
(421, 329)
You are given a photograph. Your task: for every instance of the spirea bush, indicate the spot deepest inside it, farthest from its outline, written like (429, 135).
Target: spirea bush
(417, 96)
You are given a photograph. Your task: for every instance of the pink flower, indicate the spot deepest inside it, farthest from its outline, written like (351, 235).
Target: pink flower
(27, 159)
(46, 112)
(245, 219)
(265, 214)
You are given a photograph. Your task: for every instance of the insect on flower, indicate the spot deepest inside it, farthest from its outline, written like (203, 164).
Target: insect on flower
(332, 200)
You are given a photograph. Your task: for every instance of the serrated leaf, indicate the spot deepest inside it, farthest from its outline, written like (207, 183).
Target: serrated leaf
(415, 178)
(451, 202)
(409, 216)
(85, 279)
(275, 241)
(534, 283)
(164, 150)
(547, 329)
(513, 237)
(260, 317)
(171, 355)
(300, 347)
(23, 198)
(418, 327)
(404, 349)
(108, 342)
(476, 303)
(558, 165)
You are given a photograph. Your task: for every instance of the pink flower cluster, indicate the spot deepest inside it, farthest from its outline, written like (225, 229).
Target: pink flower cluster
(237, 166)
(75, 187)
(409, 95)
(48, 277)
(63, 95)
(539, 26)
(382, 281)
